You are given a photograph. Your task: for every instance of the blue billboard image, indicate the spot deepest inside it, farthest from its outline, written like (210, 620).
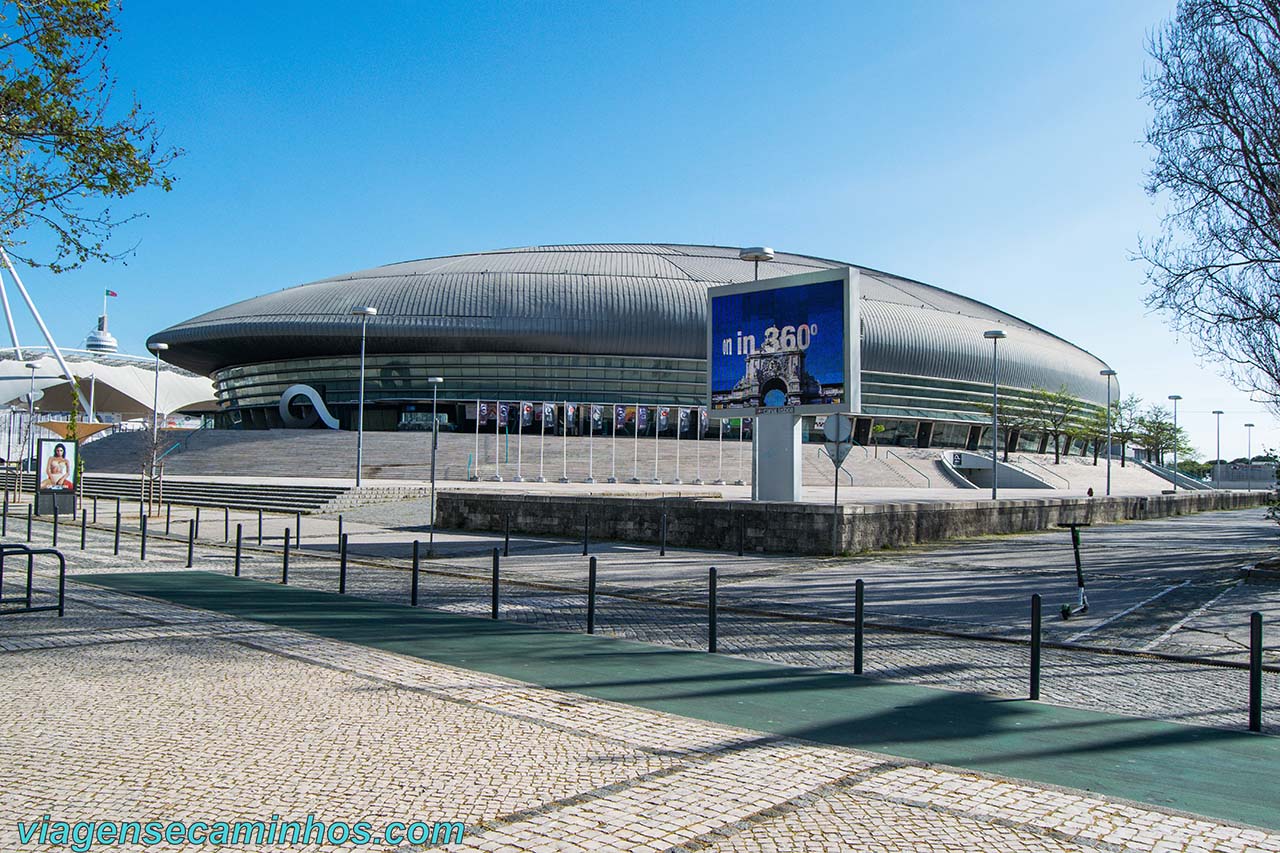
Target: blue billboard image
(779, 347)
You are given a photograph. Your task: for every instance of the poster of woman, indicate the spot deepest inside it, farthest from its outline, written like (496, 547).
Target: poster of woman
(57, 459)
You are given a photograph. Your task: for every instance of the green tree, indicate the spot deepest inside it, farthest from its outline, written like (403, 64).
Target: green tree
(1055, 414)
(1124, 424)
(1157, 434)
(1093, 427)
(66, 149)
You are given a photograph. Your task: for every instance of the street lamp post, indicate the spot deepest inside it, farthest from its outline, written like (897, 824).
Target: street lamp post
(1249, 453)
(1175, 398)
(364, 312)
(31, 419)
(156, 348)
(1108, 373)
(435, 433)
(1217, 453)
(995, 336)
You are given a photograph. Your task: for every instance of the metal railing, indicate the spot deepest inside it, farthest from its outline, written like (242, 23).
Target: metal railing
(27, 598)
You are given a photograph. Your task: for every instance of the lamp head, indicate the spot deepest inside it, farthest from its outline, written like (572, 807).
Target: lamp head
(435, 380)
(756, 253)
(31, 365)
(1250, 426)
(157, 347)
(1175, 397)
(1107, 373)
(995, 335)
(1218, 412)
(364, 311)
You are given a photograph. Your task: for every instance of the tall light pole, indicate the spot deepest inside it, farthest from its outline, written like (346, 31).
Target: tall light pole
(31, 418)
(1217, 458)
(1175, 398)
(995, 336)
(1249, 453)
(1108, 373)
(364, 312)
(156, 348)
(435, 432)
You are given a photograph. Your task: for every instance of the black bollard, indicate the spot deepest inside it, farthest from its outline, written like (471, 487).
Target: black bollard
(413, 584)
(1035, 646)
(226, 524)
(339, 531)
(284, 559)
(259, 527)
(55, 521)
(711, 610)
(197, 522)
(117, 507)
(506, 537)
(29, 511)
(168, 517)
(342, 564)
(858, 591)
(95, 510)
(83, 518)
(115, 547)
(191, 542)
(4, 519)
(239, 538)
(591, 596)
(298, 528)
(662, 536)
(586, 524)
(1255, 672)
(142, 541)
(493, 606)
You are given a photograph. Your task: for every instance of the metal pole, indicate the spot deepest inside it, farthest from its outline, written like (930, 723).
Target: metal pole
(191, 541)
(564, 446)
(226, 523)
(506, 535)
(1035, 646)
(613, 462)
(711, 610)
(197, 522)
(591, 596)
(115, 548)
(284, 559)
(1255, 672)
(519, 477)
(55, 521)
(635, 456)
(142, 543)
(339, 529)
(591, 443)
(239, 543)
(83, 518)
(858, 600)
(342, 565)
(364, 325)
(435, 441)
(493, 604)
(168, 513)
(413, 584)
(1108, 436)
(259, 526)
(1175, 445)
(995, 415)
(298, 528)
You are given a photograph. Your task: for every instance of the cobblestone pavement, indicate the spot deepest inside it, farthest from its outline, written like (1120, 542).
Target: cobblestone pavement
(130, 709)
(1193, 693)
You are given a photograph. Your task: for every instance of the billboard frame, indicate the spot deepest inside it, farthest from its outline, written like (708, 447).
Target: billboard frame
(851, 344)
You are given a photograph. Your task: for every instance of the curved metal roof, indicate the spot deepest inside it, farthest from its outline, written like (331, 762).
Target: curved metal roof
(640, 300)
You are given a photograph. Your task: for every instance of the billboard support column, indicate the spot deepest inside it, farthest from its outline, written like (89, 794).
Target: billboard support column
(776, 474)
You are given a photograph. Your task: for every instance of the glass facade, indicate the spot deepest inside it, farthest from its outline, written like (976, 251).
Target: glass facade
(396, 388)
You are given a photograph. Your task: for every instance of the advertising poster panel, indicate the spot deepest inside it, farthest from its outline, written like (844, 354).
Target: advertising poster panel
(57, 460)
(784, 345)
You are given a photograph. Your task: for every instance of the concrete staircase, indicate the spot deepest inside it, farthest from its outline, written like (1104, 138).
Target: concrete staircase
(267, 496)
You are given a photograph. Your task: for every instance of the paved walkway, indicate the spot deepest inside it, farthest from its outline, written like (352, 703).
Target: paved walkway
(138, 709)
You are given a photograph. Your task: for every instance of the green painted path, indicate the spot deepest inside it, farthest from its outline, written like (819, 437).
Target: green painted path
(1230, 775)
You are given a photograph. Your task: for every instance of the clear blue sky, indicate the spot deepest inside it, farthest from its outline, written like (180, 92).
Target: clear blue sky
(989, 148)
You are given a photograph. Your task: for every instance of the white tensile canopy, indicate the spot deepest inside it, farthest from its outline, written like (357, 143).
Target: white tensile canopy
(119, 384)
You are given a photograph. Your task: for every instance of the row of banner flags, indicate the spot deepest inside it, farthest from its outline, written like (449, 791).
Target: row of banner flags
(638, 415)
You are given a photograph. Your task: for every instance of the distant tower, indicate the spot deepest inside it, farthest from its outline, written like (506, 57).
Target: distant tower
(100, 340)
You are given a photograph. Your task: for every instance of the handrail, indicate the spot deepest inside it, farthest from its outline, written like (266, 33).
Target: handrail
(204, 424)
(1042, 468)
(822, 451)
(928, 484)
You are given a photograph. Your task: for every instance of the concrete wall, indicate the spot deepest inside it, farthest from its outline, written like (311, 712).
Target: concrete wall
(793, 528)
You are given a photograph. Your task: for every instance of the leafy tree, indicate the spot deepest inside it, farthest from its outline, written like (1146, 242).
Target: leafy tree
(1215, 267)
(66, 149)
(1055, 414)
(1157, 434)
(1124, 425)
(1093, 427)
(1015, 417)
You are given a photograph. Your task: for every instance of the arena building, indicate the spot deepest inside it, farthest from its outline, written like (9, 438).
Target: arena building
(558, 326)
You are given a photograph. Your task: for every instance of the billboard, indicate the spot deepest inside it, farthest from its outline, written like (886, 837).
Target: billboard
(786, 344)
(57, 460)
